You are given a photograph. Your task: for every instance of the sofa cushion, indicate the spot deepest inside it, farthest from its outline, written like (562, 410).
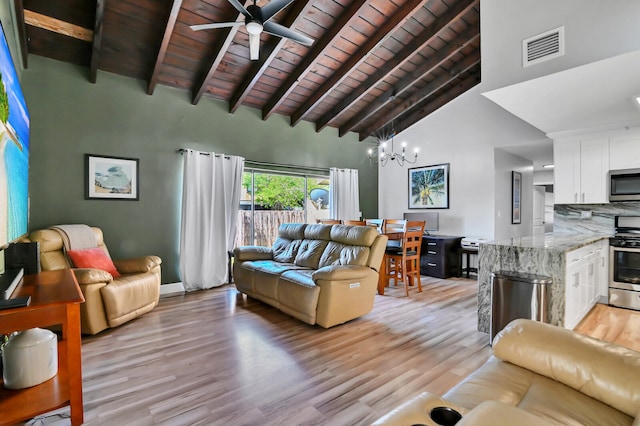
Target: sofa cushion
(604, 371)
(309, 253)
(318, 232)
(270, 266)
(354, 235)
(93, 258)
(292, 231)
(298, 295)
(341, 254)
(285, 250)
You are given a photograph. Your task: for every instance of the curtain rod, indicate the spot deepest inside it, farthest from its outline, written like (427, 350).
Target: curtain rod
(264, 164)
(182, 151)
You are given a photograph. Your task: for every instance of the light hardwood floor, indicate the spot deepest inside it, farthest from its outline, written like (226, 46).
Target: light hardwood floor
(217, 358)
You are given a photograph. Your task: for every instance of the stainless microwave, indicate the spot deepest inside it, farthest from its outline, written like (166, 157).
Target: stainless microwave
(624, 185)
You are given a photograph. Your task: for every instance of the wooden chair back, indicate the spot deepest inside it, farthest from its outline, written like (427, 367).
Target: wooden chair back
(329, 221)
(355, 222)
(395, 225)
(378, 223)
(403, 264)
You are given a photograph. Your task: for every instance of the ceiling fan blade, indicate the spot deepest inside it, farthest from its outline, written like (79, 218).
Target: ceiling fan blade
(254, 46)
(215, 25)
(273, 7)
(240, 8)
(282, 31)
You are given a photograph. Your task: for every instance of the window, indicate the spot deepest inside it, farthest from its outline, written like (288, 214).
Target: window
(272, 198)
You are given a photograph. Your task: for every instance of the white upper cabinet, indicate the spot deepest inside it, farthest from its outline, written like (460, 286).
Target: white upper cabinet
(580, 172)
(624, 153)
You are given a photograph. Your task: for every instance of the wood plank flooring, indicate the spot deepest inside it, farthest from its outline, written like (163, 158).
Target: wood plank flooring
(216, 357)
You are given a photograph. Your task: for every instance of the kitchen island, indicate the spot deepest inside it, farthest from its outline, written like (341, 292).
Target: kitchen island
(545, 255)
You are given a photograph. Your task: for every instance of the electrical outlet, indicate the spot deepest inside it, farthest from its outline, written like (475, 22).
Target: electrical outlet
(585, 214)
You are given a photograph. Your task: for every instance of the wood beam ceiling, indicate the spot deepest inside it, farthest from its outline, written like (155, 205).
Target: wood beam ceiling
(96, 44)
(162, 51)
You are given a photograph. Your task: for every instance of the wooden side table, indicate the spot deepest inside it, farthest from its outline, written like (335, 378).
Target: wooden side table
(55, 299)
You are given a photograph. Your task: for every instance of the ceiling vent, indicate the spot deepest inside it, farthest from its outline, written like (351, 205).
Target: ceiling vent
(543, 47)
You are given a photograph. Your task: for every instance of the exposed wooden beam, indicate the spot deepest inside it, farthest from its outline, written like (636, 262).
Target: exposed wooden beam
(57, 26)
(22, 32)
(96, 46)
(427, 91)
(464, 39)
(162, 51)
(411, 118)
(268, 52)
(453, 14)
(309, 60)
(223, 42)
(398, 18)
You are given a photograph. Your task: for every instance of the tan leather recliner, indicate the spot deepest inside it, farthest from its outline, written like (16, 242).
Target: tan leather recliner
(108, 302)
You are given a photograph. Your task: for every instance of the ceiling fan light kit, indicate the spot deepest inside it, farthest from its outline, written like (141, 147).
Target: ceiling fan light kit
(257, 20)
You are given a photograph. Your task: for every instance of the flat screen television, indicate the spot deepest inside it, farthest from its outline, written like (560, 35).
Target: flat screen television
(14, 145)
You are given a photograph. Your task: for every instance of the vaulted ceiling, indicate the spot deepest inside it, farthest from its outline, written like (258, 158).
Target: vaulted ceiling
(373, 65)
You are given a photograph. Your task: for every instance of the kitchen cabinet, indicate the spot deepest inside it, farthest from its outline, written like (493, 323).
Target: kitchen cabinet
(585, 273)
(440, 256)
(580, 172)
(624, 153)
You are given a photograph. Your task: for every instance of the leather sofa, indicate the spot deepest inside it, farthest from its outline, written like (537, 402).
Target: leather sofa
(319, 274)
(109, 301)
(540, 374)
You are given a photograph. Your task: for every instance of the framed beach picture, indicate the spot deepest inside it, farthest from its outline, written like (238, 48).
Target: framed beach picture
(516, 197)
(111, 177)
(429, 187)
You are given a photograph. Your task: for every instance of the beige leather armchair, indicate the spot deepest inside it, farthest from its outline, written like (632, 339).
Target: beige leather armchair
(109, 301)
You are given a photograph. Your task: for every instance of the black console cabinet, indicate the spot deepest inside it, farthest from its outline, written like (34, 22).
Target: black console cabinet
(440, 256)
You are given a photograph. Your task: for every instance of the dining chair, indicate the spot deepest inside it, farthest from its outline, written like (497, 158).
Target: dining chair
(378, 223)
(394, 225)
(403, 264)
(329, 221)
(355, 222)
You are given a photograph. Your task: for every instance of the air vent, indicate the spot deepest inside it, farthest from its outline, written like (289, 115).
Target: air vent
(543, 47)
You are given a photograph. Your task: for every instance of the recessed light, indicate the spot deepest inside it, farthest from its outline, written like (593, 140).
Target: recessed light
(638, 99)
(547, 166)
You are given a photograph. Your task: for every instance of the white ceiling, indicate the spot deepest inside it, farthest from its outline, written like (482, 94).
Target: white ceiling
(595, 97)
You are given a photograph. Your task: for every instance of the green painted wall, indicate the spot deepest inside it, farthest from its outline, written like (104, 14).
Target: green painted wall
(71, 117)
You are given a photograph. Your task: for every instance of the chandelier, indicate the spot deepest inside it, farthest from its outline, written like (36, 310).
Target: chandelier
(384, 156)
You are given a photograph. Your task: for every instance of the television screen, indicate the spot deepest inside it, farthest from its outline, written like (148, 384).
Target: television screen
(14, 145)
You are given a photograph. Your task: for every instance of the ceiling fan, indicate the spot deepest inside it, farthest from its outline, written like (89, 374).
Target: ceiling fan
(257, 20)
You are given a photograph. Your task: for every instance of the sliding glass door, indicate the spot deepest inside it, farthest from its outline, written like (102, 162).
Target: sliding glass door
(272, 198)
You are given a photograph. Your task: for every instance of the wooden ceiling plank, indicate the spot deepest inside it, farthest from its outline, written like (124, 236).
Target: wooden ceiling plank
(391, 25)
(430, 89)
(224, 41)
(318, 49)
(22, 32)
(96, 46)
(415, 45)
(268, 53)
(57, 26)
(425, 69)
(411, 118)
(162, 51)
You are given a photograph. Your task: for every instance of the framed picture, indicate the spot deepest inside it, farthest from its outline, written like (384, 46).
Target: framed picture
(516, 197)
(429, 187)
(111, 178)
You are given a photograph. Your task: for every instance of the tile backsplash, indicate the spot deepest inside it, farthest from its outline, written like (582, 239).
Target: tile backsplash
(569, 217)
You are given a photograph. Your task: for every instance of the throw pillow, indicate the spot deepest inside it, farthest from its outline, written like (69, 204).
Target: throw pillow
(93, 258)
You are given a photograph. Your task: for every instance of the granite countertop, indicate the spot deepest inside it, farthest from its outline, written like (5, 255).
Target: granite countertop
(558, 241)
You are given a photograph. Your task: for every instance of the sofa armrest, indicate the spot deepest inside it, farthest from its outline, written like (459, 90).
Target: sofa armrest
(341, 272)
(138, 264)
(500, 414)
(252, 253)
(86, 276)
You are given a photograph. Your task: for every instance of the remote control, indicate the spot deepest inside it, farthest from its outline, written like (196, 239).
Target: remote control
(17, 302)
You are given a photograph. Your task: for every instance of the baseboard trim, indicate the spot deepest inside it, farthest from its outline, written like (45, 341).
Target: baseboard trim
(171, 289)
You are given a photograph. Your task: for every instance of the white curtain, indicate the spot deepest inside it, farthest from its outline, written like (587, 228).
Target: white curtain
(211, 190)
(344, 195)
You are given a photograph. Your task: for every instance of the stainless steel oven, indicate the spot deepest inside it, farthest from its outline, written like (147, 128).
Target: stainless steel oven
(624, 264)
